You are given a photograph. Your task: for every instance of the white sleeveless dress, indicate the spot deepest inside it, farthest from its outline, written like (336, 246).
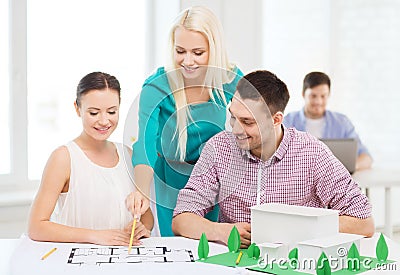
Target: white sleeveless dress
(96, 195)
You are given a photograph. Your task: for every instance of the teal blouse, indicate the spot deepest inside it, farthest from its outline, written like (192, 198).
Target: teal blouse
(157, 144)
(157, 121)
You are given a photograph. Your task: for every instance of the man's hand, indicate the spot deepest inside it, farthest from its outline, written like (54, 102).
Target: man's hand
(243, 228)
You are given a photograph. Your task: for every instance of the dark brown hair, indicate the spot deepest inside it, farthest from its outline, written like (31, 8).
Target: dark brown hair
(314, 79)
(96, 81)
(267, 86)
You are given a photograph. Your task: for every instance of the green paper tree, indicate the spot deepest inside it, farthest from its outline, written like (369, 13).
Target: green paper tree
(353, 258)
(253, 251)
(256, 252)
(234, 240)
(294, 257)
(382, 250)
(323, 267)
(250, 250)
(203, 248)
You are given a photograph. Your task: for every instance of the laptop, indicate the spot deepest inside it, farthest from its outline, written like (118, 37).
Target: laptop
(345, 150)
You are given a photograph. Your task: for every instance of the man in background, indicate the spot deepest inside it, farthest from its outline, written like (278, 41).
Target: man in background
(315, 119)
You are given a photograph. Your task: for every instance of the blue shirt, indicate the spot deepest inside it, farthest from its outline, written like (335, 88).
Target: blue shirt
(337, 125)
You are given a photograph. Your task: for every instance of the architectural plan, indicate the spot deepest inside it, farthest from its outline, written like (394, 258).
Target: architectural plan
(114, 255)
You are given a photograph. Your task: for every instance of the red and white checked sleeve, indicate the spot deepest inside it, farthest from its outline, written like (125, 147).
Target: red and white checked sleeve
(201, 191)
(337, 189)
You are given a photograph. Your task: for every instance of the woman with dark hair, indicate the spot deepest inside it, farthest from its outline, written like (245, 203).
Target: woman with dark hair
(85, 182)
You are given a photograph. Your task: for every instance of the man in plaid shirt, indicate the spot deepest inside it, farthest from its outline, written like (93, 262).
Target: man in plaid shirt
(262, 161)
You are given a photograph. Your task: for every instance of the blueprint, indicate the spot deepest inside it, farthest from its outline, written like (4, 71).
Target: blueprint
(117, 255)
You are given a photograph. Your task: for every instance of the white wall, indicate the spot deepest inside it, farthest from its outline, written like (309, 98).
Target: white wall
(365, 69)
(242, 25)
(366, 53)
(161, 14)
(296, 40)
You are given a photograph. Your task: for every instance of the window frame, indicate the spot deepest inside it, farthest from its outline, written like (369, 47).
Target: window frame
(18, 176)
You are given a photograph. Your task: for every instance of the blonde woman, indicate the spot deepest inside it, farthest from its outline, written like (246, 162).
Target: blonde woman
(181, 106)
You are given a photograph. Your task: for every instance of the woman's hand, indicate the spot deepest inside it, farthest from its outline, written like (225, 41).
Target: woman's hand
(110, 237)
(140, 230)
(137, 204)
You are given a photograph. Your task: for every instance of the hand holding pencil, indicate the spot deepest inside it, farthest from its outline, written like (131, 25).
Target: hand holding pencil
(137, 203)
(137, 232)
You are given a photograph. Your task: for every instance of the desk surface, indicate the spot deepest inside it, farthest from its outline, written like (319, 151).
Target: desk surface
(385, 177)
(378, 177)
(16, 258)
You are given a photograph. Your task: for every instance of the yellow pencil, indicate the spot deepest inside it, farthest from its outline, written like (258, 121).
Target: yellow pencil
(49, 253)
(239, 257)
(132, 234)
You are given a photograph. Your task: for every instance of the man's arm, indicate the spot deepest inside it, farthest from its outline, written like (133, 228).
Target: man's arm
(198, 197)
(192, 226)
(348, 224)
(338, 190)
(364, 161)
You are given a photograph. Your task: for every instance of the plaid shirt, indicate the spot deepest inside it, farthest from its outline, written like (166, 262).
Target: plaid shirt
(302, 171)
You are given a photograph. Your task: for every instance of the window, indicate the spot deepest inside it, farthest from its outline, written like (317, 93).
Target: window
(75, 38)
(4, 88)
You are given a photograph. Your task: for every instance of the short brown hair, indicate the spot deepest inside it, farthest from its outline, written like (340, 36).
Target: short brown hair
(264, 85)
(314, 79)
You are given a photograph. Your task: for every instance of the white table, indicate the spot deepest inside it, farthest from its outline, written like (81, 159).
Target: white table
(27, 254)
(21, 257)
(384, 177)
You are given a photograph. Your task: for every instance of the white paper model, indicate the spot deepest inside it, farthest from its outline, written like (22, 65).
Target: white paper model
(273, 251)
(290, 224)
(335, 248)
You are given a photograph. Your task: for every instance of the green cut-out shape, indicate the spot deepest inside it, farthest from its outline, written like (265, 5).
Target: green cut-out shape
(250, 250)
(203, 247)
(294, 254)
(257, 252)
(323, 267)
(382, 250)
(234, 240)
(353, 258)
(253, 251)
(294, 257)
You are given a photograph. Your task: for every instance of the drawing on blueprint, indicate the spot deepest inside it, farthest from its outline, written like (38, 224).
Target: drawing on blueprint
(114, 255)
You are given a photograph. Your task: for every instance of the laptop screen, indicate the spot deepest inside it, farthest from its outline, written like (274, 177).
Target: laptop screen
(345, 150)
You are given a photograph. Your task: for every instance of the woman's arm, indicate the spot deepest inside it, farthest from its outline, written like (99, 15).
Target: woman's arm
(138, 202)
(144, 154)
(55, 179)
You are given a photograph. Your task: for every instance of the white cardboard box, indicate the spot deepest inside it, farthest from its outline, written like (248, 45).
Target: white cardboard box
(335, 247)
(273, 251)
(290, 224)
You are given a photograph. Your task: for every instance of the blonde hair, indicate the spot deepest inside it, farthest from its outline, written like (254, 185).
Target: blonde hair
(219, 71)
